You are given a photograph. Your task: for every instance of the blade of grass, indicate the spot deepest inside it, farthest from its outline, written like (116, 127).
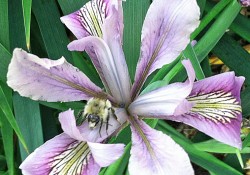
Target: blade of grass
(233, 55)
(246, 141)
(4, 105)
(28, 117)
(71, 6)
(7, 134)
(132, 31)
(241, 24)
(24, 109)
(4, 23)
(202, 4)
(5, 60)
(210, 16)
(52, 30)
(214, 146)
(189, 53)
(26, 4)
(216, 31)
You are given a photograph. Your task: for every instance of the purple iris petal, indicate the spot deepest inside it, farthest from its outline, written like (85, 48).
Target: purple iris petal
(69, 153)
(165, 34)
(44, 79)
(156, 153)
(165, 100)
(217, 109)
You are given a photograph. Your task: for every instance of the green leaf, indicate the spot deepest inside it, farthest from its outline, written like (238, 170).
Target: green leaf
(246, 142)
(245, 102)
(4, 105)
(71, 6)
(27, 19)
(28, 117)
(233, 55)
(216, 31)
(64, 105)
(4, 23)
(135, 13)
(210, 16)
(52, 30)
(5, 60)
(215, 146)
(7, 135)
(189, 53)
(2, 163)
(241, 26)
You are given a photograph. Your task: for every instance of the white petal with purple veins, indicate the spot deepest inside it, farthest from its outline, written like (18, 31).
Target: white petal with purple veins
(165, 100)
(44, 79)
(89, 19)
(165, 34)
(114, 69)
(62, 155)
(216, 110)
(155, 153)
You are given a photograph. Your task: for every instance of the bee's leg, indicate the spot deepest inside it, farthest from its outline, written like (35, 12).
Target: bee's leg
(107, 125)
(79, 118)
(112, 112)
(100, 128)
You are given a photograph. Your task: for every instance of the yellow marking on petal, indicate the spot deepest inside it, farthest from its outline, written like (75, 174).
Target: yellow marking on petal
(80, 149)
(92, 16)
(72, 160)
(217, 106)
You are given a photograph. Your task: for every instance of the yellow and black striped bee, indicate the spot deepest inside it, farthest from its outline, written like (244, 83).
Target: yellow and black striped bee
(97, 112)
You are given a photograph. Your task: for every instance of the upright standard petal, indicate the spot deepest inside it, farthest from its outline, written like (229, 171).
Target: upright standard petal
(165, 34)
(165, 100)
(114, 69)
(217, 109)
(83, 132)
(61, 155)
(44, 79)
(155, 153)
(89, 19)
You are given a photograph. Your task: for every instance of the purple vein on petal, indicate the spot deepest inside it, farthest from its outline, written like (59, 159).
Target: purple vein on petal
(61, 154)
(117, 79)
(44, 79)
(163, 39)
(216, 110)
(155, 153)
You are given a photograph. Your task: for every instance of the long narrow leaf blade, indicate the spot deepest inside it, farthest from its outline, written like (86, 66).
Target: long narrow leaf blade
(27, 19)
(4, 105)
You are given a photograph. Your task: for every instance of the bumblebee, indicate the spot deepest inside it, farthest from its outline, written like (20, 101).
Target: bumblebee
(97, 112)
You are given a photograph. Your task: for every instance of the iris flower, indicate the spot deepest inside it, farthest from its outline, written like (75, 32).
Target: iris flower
(245, 3)
(211, 105)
